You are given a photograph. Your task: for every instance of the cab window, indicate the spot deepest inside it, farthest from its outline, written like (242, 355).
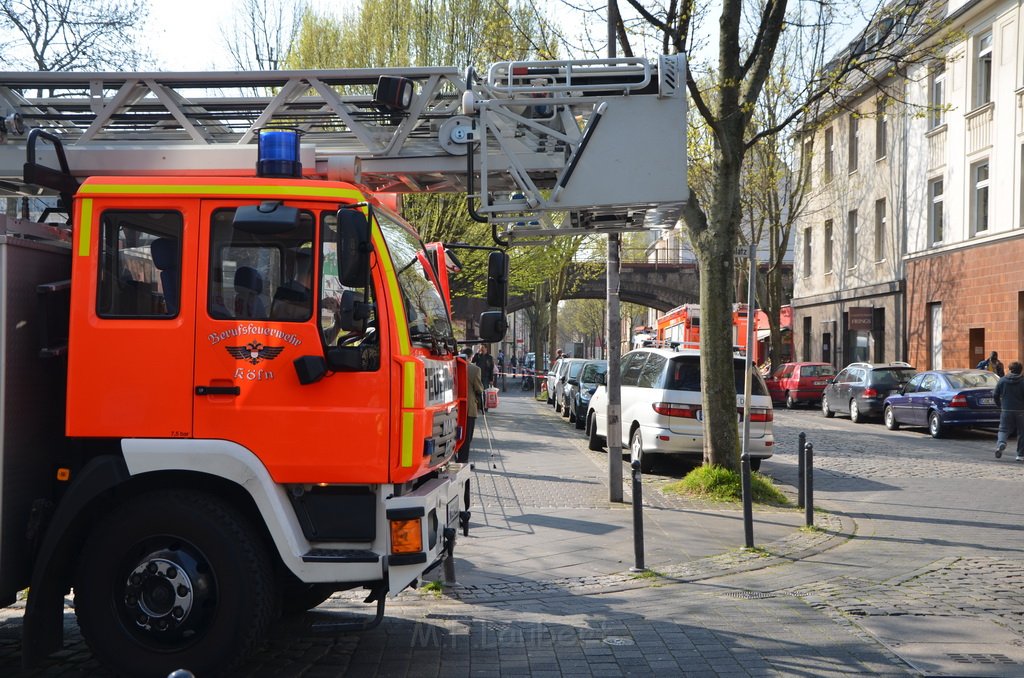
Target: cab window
(258, 276)
(140, 264)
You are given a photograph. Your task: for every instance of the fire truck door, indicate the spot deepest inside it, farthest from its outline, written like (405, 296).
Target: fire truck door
(257, 312)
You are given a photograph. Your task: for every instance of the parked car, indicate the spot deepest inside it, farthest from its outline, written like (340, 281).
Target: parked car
(552, 378)
(943, 399)
(860, 389)
(793, 383)
(579, 390)
(662, 412)
(572, 371)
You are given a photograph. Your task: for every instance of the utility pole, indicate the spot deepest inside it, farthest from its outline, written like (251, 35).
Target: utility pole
(614, 329)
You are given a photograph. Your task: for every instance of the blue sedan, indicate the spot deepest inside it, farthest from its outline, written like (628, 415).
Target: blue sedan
(943, 399)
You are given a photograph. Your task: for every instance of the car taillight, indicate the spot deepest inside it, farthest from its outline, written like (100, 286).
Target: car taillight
(676, 410)
(758, 414)
(959, 400)
(870, 392)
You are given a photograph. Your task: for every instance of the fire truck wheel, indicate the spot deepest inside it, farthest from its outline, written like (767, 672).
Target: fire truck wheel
(174, 579)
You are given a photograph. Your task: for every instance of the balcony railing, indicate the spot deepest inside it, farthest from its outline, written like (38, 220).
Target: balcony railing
(936, 147)
(979, 128)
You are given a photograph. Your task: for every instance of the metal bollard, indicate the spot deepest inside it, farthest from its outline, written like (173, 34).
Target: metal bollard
(638, 519)
(809, 497)
(801, 442)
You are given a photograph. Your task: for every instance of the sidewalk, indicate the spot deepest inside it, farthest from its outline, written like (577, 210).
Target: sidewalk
(542, 512)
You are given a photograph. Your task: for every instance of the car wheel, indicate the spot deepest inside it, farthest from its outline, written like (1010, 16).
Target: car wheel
(755, 463)
(565, 410)
(855, 416)
(790, 402)
(594, 441)
(577, 419)
(890, 419)
(174, 578)
(572, 413)
(825, 408)
(558, 404)
(636, 451)
(935, 426)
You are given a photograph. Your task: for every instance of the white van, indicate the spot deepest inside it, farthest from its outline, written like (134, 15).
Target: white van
(662, 410)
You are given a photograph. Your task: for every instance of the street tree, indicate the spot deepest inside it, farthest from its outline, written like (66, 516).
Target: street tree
(260, 34)
(724, 94)
(72, 35)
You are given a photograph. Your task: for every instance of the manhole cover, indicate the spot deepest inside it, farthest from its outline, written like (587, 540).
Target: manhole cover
(618, 640)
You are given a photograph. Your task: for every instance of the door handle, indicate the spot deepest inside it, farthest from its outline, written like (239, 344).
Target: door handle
(218, 390)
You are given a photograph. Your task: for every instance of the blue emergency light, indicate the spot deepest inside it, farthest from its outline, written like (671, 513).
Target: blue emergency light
(278, 154)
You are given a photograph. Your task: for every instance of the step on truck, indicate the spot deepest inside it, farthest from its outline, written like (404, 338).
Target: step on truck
(230, 375)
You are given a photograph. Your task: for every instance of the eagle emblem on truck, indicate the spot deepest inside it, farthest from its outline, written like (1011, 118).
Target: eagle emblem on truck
(254, 352)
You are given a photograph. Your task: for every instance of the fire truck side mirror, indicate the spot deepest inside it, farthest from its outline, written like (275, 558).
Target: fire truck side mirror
(493, 326)
(497, 280)
(353, 247)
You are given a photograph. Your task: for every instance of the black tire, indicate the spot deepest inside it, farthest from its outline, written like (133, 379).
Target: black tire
(577, 419)
(160, 553)
(825, 408)
(571, 409)
(755, 463)
(890, 419)
(855, 415)
(935, 426)
(557, 402)
(565, 410)
(636, 449)
(594, 441)
(790, 402)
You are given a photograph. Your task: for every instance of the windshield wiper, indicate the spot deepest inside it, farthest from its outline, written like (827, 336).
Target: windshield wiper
(426, 336)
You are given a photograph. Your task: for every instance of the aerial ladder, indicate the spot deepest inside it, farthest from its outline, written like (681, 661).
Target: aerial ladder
(538, 147)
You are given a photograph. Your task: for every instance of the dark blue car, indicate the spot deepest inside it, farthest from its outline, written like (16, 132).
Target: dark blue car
(943, 399)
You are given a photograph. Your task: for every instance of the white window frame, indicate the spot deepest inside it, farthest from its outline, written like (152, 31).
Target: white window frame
(937, 95)
(980, 198)
(983, 69)
(936, 211)
(880, 219)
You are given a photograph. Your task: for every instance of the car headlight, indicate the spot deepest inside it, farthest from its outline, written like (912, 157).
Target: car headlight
(585, 396)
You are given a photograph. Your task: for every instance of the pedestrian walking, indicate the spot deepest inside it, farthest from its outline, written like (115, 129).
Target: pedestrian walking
(501, 368)
(1009, 396)
(473, 401)
(514, 364)
(992, 364)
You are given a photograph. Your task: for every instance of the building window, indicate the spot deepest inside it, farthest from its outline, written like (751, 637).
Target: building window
(851, 239)
(808, 155)
(979, 197)
(828, 246)
(854, 139)
(983, 70)
(881, 130)
(935, 221)
(937, 95)
(807, 252)
(880, 229)
(829, 155)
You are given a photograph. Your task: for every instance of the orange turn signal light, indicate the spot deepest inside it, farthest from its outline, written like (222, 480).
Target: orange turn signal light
(63, 474)
(406, 536)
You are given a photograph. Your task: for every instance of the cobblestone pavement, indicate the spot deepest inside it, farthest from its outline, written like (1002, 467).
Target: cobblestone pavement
(915, 568)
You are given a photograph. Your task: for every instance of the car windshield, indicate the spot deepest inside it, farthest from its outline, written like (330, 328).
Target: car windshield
(891, 378)
(424, 308)
(973, 380)
(591, 371)
(817, 371)
(684, 375)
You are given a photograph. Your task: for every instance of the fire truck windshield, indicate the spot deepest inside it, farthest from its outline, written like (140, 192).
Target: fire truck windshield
(425, 310)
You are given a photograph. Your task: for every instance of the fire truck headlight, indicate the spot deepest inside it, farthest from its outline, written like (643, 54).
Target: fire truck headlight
(406, 536)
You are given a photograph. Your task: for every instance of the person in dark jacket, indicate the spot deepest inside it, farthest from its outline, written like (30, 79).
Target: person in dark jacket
(1009, 396)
